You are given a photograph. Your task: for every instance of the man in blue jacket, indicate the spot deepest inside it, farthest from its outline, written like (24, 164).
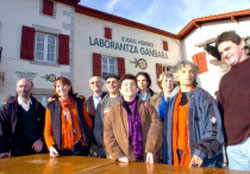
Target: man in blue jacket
(22, 123)
(193, 134)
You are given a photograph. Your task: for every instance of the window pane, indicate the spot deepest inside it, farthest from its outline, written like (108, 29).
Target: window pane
(104, 68)
(111, 69)
(39, 56)
(51, 48)
(39, 47)
(51, 57)
(111, 60)
(51, 39)
(40, 37)
(104, 60)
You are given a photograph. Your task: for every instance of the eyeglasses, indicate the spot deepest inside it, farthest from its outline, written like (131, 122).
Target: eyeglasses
(95, 82)
(111, 82)
(23, 86)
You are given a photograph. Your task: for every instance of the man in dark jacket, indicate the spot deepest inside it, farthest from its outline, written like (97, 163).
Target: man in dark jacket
(95, 84)
(22, 123)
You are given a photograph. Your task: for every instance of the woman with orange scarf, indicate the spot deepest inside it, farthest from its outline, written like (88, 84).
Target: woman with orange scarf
(67, 124)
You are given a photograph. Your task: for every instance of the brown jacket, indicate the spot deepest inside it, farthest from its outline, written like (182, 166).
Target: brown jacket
(155, 100)
(116, 133)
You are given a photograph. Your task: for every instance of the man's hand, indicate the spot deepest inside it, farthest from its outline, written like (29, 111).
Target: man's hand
(5, 155)
(196, 161)
(123, 159)
(149, 158)
(37, 146)
(53, 152)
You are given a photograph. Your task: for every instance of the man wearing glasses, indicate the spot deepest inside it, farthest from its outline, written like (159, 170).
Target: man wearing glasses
(22, 123)
(112, 97)
(95, 84)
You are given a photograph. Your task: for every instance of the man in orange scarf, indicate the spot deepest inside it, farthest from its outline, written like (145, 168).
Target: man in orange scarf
(193, 133)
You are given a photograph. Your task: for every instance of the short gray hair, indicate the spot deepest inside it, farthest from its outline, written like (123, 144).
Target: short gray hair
(183, 63)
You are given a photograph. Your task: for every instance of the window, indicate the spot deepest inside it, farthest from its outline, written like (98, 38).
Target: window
(160, 68)
(165, 45)
(104, 65)
(108, 66)
(48, 7)
(46, 45)
(108, 33)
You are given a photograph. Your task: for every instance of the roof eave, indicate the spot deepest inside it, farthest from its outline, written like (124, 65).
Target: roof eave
(233, 16)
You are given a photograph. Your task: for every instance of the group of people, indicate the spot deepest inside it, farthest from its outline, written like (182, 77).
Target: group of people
(182, 125)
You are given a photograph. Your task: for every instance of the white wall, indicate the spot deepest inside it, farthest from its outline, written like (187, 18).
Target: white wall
(210, 80)
(13, 15)
(91, 27)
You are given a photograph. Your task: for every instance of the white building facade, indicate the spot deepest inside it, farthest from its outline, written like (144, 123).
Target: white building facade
(109, 44)
(36, 40)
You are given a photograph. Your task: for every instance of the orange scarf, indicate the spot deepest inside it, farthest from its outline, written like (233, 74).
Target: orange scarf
(180, 133)
(69, 133)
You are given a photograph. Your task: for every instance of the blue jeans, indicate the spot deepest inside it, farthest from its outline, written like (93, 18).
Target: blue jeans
(239, 155)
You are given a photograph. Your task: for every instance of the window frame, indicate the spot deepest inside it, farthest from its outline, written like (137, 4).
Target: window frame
(45, 47)
(108, 65)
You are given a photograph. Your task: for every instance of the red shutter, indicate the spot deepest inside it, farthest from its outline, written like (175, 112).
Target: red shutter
(108, 33)
(27, 43)
(165, 45)
(159, 70)
(63, 47)
(201, 61)
(97, 64)
(48, 7)
(121, 66)
(195, 59)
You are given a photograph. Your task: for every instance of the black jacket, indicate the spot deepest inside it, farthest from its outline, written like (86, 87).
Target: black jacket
(11, 128)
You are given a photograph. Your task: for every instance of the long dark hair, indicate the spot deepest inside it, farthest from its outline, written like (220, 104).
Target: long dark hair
(145, 75)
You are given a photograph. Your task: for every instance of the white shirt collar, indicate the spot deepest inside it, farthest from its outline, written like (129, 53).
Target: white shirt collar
(25, 106)
(96, 100)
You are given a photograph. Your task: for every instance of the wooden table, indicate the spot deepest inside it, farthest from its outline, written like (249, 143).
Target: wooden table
(36, 164)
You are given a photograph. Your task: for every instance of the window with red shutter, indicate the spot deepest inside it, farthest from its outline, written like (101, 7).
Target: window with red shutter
(121, 66)
(97, 64)
(165, 45)
(48, 7)
(27, 43)
(63, 47)
(108, 33)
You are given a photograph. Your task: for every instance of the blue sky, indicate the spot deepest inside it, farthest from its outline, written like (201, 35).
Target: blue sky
(168, 15)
